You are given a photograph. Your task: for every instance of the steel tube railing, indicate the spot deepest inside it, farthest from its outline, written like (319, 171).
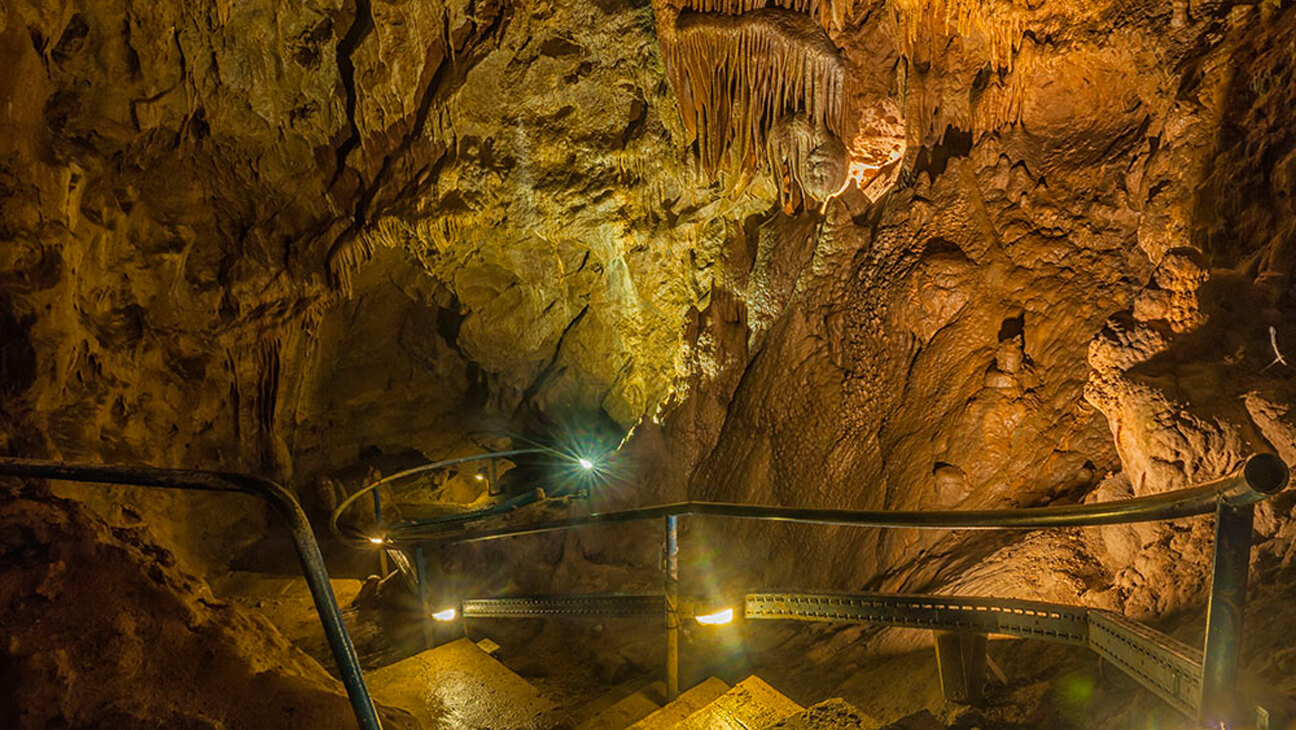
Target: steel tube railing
(1224, 613)
(1232, 498)
(368, 488)
(1263, 475)
(672, 608)
(317, 577)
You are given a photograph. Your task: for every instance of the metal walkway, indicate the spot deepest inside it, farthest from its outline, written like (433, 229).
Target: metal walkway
(1201, 684)
(1198, 683)
(1169, 668)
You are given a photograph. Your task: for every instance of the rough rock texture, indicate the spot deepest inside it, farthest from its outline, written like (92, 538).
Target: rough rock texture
(834, 713)
(317, 239)
(960, 342)
(101, 629)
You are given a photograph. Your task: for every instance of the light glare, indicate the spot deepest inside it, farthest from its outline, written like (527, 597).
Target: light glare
(445, 615)
(585, 464)
(719, 618)
(377, 540)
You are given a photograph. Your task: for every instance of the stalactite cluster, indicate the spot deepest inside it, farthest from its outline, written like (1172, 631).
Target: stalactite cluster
(998, 26)
(737, 76)
(832, 14)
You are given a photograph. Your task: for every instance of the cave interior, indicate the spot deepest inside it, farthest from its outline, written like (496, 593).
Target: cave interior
(605, 364)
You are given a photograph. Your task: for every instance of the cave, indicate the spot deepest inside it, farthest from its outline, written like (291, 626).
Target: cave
(605, 364)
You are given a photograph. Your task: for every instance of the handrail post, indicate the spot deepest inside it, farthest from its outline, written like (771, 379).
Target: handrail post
(1224, 614)
(283, 502)
(378, 523)
(672, 607)
(420, 573)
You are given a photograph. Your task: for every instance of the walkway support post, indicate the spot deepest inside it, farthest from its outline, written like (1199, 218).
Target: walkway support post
(378, 523)
(961, 661)
(1266, 475)
(672, 608)
(1224, 615)
(283, 501)
(425, 616)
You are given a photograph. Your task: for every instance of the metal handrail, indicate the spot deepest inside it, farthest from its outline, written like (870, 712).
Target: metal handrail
(368, 488)
(1231, 498)
(1262, 476)
(283, 501)
(335, 517)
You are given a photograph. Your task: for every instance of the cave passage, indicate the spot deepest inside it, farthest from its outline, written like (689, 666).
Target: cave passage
(607, 364)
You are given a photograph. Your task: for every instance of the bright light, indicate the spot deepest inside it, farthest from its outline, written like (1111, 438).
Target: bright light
(480, 478)
(585, 464)
(378, 540)
(719, 618)
(446, 615)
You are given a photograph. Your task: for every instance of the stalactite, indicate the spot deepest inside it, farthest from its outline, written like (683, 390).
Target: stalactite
(736, 77)
(346, 258)
(267, 397)
(1001, 23)
(831, 14)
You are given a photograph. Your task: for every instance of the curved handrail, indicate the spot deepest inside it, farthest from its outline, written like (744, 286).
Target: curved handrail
(1201, 684)
(317, 578)
(336, 529)
(1260, 477)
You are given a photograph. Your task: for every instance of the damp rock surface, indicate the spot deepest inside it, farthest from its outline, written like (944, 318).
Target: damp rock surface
(854, 254)
(101, 628)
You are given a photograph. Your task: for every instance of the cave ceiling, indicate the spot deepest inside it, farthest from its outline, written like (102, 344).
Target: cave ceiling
(900, 253)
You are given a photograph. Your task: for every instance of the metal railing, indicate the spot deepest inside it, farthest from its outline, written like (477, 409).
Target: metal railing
(283, 501)
(492, 478)
(1199, 684)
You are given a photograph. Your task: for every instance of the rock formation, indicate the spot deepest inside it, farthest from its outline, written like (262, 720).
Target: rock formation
(875, 254)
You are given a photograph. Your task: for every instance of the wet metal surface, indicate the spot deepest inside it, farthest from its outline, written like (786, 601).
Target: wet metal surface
(460, 687)
(688, 703)
(752, 703)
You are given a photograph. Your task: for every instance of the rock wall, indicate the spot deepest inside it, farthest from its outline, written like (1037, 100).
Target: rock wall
(101, 629)
(309, 238)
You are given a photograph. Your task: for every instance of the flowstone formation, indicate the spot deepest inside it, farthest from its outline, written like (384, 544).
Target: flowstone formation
(765, 89)
(1063, 187)
(874, 254)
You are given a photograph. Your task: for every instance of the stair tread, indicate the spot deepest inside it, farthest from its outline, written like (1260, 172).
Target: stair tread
(834, 714)
(922, 720)
(686, 704)
(751, 704)
(627, 710)
(460, 686)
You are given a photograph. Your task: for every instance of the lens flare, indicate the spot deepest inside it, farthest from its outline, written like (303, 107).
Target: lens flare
(378, 540)
(445, 615)
(719, 618)
(585, 464)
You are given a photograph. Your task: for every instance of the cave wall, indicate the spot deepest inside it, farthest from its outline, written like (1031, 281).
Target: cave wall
(1065, 297)
(285, 237)
(274, 237)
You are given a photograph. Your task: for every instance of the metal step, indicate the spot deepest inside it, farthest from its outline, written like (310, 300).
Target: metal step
(688, 703)
(628, 710)
(751, 705)
(460, 686)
